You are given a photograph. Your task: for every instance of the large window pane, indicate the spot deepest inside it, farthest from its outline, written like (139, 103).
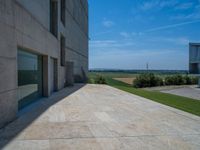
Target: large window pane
(29, 77)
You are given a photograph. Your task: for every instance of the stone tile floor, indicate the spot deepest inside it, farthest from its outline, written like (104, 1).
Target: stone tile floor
(189, 91)
(99, 117)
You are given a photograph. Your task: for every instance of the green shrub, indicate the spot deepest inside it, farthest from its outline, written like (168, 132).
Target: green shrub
(169, 80)
(194, 80)
(180, 80)
(91, 81)
(174, 80)
(187, 80)
(100, 80)
(150, 80)
(147, 80)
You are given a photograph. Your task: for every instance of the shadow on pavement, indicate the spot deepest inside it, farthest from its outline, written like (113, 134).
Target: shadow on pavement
(31, 113)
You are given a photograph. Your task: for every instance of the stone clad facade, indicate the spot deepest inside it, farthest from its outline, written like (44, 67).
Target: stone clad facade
(51, 50)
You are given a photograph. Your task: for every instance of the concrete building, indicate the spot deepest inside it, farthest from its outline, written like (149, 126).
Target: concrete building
(194, 59)
(43, 48)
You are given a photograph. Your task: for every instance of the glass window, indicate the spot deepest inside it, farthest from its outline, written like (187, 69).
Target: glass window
(29, 78)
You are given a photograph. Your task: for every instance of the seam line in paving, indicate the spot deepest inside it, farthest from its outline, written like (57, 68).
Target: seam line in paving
(107, 137)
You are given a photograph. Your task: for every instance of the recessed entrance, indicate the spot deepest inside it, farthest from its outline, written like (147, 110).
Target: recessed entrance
(29, 78)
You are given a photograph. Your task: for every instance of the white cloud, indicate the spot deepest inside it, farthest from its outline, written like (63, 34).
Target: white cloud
(129, 53)
(186, 17)
(181, 41)
(130, 35)
(193, 15)
(136, 59)
(134, 34)
(102, 43)
(172, 26)
(168, 3)
(148, 5)
(102, 33)
(125, 34)
(108, 23)
(157, 4)
(108, 44)
(184, 6)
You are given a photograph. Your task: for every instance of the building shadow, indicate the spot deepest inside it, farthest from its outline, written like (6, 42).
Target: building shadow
(29, 114)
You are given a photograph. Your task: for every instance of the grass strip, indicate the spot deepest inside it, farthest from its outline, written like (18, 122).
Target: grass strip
(183, 103)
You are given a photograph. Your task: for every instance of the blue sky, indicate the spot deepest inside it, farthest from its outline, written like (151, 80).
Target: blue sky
(126, 34)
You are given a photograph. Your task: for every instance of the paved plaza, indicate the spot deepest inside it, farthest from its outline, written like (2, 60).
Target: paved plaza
(99, 117)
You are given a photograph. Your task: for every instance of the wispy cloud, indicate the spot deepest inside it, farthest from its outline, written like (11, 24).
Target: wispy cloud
(191, 15)
(102, 43)
(108, 23)
(149, 5)
(102, 33)
(157, 4)
(180, 41)
(135, 58)
(186, 17)
(107, 44)
(130, 35)
(125, 34)
(172, 26)
(184, 6)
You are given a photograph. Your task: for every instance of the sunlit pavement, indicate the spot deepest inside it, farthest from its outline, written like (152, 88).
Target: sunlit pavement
(99, 117)
(189, 91)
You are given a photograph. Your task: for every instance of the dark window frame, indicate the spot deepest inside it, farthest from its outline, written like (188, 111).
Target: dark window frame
(54, 17)
(62, 11)
(62, 50)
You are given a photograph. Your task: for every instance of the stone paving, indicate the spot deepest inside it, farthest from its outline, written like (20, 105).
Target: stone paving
(189, 91)
(99, 117)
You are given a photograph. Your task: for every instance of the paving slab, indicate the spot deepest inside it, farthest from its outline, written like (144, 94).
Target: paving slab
(189, 91)
(99, 117)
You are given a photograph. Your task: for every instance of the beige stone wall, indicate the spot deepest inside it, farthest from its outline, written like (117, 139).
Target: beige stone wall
(77, 30)
(8, 66)
(25, 24)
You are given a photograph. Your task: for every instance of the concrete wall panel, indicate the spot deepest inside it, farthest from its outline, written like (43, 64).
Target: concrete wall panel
(8, 74)
(39, 9)
(7, 41)
(8, 107)
(6, 12)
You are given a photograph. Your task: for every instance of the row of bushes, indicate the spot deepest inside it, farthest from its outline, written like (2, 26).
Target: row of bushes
(181, 80)
(151, 80)
(147, 80)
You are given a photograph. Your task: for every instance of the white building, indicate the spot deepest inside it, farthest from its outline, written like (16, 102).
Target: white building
(194, 59)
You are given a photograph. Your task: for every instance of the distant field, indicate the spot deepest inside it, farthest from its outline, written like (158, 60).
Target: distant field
(114, 74)
(125, 80)
(127, 77)
(128, 74)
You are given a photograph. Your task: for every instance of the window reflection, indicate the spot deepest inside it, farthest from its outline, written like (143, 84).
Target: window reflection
(29, 78)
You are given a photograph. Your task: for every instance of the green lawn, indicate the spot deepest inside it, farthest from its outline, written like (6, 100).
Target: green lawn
(182, 103)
